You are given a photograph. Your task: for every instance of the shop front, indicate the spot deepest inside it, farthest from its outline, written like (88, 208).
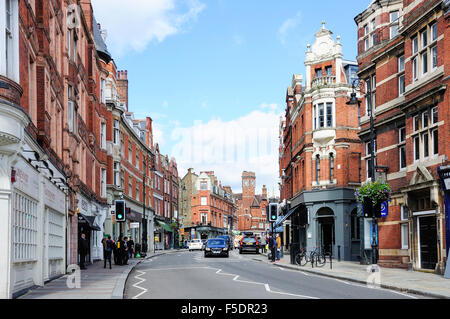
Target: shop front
(36, 228)
(91, 217)
(427, 218)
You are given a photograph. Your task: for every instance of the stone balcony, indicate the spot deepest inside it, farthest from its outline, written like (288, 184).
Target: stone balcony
(323, 81)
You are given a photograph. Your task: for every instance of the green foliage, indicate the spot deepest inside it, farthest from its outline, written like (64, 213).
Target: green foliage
(378, 192)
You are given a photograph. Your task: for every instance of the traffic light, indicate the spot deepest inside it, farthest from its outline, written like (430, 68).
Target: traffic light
(273, 212)
(120, 211)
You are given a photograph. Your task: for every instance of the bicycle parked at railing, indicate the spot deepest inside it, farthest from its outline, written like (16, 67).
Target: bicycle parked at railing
(317, 257)
(302, 257)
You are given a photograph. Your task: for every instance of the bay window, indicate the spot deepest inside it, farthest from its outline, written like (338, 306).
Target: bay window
(323, 115)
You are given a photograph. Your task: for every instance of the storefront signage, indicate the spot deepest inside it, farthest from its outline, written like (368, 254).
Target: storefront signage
(27, 179)
(134, 225)
(54, 197)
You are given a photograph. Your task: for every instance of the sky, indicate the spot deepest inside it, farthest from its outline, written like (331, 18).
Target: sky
(213, 74)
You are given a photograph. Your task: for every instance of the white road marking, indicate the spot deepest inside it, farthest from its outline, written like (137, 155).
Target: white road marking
(138, 283)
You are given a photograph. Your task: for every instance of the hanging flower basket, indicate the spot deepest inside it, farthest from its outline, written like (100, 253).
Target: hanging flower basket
(378, 192)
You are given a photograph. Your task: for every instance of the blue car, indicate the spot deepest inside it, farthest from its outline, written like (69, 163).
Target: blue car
(216, 247)
(227, 238)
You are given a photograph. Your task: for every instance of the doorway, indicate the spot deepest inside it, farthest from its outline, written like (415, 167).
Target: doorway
(355, 230)
(428, 242)
(326, 234)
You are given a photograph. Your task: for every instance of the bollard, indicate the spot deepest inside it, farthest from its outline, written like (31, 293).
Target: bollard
(331, 261)
(339, 253)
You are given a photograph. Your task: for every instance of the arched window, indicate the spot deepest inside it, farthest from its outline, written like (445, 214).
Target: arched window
(317, 168)
(331, 167)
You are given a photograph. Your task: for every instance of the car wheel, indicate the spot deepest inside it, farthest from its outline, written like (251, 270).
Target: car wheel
(240, 252)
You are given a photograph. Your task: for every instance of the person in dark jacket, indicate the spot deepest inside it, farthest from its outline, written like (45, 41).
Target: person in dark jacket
(130, 244)
(83, 248)
(272, 247)
(109, 247)
(115, 252)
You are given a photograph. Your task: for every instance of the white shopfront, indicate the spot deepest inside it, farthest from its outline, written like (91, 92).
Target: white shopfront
(38, 228)
(97, 214)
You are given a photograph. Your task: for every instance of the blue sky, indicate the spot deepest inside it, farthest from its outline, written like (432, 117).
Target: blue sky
(216, 72)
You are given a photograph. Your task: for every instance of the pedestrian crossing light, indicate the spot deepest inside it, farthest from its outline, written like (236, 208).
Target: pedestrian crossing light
(120, 211)
(273, 212)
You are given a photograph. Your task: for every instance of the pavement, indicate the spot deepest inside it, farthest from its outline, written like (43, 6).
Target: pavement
(95, 282)
(407, 281)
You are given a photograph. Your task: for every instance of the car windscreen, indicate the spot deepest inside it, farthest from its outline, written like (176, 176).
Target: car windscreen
(249, 240)
(216, 242)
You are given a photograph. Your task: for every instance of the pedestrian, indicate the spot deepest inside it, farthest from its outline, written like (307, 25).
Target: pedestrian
(84, 248)
(130, 245)
(272, 247)
(278, 240)
(115, 252)
(263, 244)
(109, 246)
(125, 251)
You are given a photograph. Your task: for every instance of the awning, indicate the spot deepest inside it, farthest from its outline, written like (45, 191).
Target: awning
(279, 221)
(165, 226)
(278, 225)
(88, 220)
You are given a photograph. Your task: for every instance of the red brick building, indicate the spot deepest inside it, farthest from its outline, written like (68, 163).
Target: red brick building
(209, 209)
(320, 154)
(51, 115)
(404, 59)
(252, 215)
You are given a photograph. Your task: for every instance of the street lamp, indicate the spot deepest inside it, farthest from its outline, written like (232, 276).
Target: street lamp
(353, 101)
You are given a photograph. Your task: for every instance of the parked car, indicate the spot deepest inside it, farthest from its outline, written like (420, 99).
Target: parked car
(195, 244)
(228, 240)
(249, 244)
(216, 247)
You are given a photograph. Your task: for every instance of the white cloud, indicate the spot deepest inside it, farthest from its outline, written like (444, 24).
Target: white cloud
(230, 147)
(288, 25)
(165, 104)
(133, 24)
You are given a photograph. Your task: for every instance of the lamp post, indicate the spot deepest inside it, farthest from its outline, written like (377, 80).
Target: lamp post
(353, 101)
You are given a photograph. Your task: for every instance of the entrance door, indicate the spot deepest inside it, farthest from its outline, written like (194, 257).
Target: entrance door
(428, 242)
(355, 236)
(326, 234)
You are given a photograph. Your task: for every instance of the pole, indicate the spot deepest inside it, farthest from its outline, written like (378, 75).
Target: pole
(372, 175)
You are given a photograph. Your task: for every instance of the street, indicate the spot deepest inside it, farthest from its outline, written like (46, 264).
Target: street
(185, 274)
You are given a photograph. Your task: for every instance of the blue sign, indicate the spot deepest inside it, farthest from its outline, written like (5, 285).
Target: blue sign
(384, 209)
(371, 234)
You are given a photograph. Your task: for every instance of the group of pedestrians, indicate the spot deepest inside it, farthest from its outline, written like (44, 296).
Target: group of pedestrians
(120, 250)
(274, 243)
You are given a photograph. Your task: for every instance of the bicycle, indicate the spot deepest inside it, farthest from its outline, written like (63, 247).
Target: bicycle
(302, 257)
(318, 257)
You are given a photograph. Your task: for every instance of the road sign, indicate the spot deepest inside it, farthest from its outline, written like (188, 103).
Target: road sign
(384, 209)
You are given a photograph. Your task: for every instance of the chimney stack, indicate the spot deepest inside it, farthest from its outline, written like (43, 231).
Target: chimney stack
(122, 87)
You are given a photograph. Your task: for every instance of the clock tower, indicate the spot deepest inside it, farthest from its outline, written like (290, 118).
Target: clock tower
(248, 186)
